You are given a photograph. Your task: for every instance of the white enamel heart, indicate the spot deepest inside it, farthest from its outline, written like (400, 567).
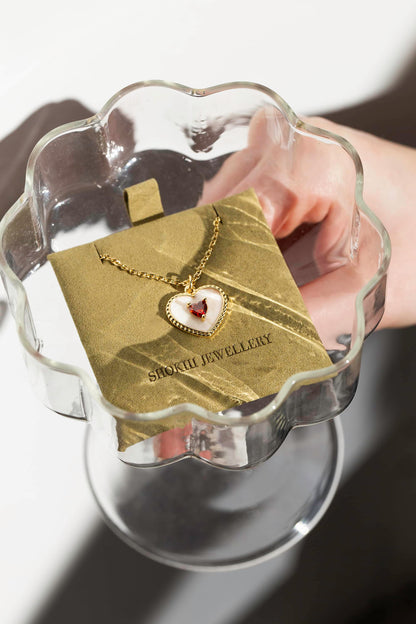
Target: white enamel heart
(179, 314)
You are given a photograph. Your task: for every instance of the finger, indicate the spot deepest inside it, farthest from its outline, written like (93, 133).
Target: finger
(232, 171)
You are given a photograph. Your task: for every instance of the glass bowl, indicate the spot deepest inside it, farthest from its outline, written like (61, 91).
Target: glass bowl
(201, 145)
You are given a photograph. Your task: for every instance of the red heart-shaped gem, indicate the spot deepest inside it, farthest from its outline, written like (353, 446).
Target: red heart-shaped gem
(198, 309)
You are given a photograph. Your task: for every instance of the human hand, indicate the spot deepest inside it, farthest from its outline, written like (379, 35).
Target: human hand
(390, 192)
(289, 200)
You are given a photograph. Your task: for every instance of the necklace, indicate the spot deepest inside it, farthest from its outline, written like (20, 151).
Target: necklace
(199, 311)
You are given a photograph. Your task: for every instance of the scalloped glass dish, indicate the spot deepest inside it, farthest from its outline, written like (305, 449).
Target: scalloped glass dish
(202, 145)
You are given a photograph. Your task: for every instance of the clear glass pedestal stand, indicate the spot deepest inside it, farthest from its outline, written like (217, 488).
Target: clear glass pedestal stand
(195, 516)
(202, 145)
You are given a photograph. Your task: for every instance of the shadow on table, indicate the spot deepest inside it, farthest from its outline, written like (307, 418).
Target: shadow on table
(15, 149)
(110, 584)
(358, 564)
(390, 115)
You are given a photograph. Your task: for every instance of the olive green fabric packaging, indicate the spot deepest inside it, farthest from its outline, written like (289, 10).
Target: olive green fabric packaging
(143, 363)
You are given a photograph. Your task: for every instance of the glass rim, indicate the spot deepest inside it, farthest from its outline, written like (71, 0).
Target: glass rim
(294, 381)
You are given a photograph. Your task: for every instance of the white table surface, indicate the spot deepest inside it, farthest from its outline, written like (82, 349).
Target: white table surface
(320, 55)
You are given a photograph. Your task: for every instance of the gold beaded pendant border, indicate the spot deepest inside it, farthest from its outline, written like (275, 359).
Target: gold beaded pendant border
(196, 332)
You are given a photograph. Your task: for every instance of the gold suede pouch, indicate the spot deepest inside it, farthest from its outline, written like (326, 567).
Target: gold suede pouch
(141, 361)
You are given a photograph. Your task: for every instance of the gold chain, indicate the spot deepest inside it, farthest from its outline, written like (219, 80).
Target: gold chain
(188, 283)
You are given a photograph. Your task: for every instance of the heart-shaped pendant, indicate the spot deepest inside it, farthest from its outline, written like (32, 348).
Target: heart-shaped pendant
(200, 313)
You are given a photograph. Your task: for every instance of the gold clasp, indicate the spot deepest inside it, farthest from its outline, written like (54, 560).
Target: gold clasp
(189, 287)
